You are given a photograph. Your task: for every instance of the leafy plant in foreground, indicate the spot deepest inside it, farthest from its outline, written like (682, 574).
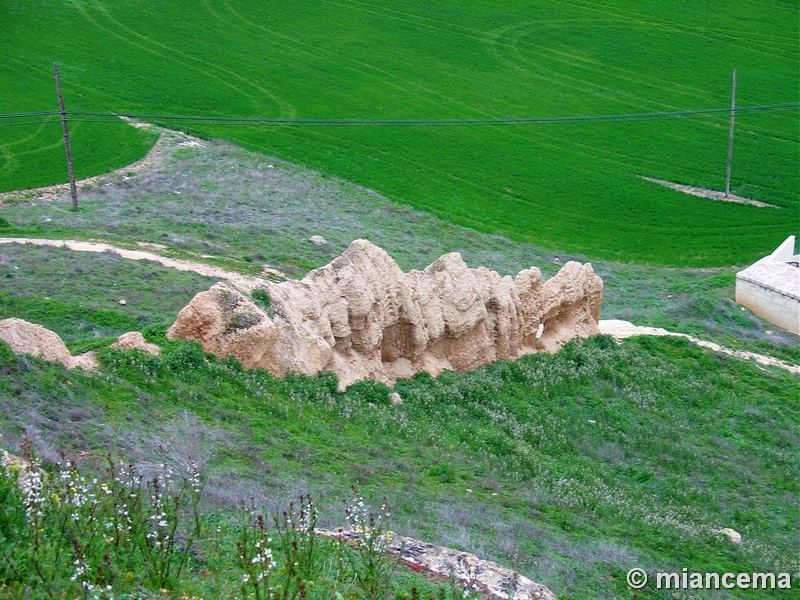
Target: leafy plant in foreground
(255, 556)
(368, 555)
(64, 534)
(87, 538)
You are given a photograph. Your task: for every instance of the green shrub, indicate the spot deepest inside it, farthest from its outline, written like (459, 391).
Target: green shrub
(186, 357)
(317, 388)
(369, 392)
(261, 297)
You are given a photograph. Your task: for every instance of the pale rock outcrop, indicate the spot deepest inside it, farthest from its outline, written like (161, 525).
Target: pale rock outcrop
(362, 317)
(135, 340)
(12, 463)
(86, 361)
(731, 534)
(16, 465)
(28, 338)
(486, 577)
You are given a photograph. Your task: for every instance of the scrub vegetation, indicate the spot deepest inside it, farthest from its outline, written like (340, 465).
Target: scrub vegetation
(124, 536)
(571, 468)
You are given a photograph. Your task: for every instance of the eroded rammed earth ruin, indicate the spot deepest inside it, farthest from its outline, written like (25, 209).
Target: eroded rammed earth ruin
(362, 317)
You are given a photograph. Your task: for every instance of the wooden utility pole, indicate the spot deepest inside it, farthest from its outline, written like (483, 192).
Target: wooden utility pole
(72, 187)
(730, 137)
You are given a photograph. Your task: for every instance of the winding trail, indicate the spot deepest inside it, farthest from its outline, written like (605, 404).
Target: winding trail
(245, 283)
(168, 141)
(619, 330)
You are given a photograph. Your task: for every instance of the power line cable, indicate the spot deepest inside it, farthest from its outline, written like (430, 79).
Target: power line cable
(106, 117)
(30, 114)
(437, 122)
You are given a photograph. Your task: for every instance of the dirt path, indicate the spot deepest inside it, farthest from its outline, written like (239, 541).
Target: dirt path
(623, 329)
(167, 141)
(243, 282)
(617, 329)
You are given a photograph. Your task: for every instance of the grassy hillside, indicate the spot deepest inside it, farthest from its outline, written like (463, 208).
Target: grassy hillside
(243, 210)
(572, 468)
(572, 186)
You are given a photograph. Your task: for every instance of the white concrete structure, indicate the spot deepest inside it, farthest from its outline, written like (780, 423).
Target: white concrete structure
(771, 287)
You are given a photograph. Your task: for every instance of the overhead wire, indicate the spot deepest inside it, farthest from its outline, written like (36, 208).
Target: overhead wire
(30, 114)
(103, 117)
(438, 122)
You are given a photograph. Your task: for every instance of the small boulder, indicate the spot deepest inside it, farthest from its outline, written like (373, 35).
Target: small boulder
(395, 399)
(29, 338)
(733, 535)
(317, 240)
(134, 339)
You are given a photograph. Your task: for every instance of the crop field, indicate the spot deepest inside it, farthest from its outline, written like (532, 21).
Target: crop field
(573, 185)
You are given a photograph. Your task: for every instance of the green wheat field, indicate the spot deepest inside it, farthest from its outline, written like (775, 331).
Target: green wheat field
(573, 185)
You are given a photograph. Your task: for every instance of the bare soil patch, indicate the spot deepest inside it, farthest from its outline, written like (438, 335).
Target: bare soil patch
(710, 194)
(620, 330)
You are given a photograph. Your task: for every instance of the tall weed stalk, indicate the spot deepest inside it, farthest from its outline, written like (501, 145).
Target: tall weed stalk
(90, 539)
